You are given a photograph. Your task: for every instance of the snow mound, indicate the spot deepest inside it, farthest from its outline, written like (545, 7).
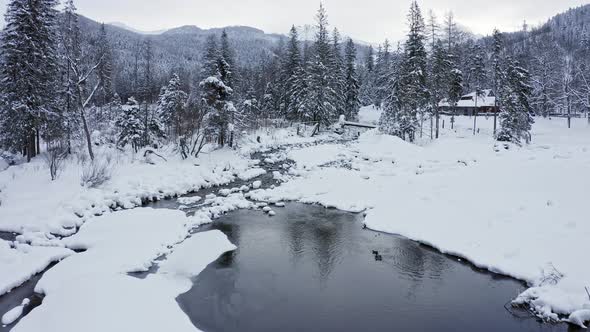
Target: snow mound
(20, 263)
(192, 256)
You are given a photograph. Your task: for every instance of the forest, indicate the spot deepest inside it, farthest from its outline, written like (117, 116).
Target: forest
(69, 84)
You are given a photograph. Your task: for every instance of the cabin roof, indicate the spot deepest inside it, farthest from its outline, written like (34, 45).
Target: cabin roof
(486, 100)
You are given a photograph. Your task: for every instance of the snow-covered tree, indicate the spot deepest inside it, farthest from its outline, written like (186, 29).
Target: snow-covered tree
(516, 116)
(439, 66)
(321, 99)
(367, 74)
(171, 102)
(291, 71)
(409, 91)
(497, 69)
(28, 74)
(221, 113)
(455, 91)
(132, 129)
(477, 76)
(351, 86)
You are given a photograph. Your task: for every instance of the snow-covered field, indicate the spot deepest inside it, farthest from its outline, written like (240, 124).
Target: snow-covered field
(521, 212)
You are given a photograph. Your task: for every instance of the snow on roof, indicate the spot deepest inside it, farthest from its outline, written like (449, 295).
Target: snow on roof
(486, 100)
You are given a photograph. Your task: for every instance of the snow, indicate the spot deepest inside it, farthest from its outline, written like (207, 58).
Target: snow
(468, 100)
(188, 200)
(13, 314)
(316, 155)
(518, 212)
(38, 216)
(192, 256)
(3, 164)
(91, 291)
(20, 262)
(580, 317)
(256, 184)
(370, 115)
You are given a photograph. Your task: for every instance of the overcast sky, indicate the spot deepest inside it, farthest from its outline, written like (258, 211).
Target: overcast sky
(366, 20)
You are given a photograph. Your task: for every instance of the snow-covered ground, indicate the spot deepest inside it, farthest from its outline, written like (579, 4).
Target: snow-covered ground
(53, 218)
(520, 212)
(91, 291)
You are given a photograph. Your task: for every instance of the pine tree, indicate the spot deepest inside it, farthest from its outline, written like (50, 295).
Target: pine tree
(367, 89)
(210, 58)
(28, 72)
(351, 93)
(497, 71)
(516, 115)
(409, 91)
(171, 103)
(131, 126)
(382, 73)
(290, 71)
(455, 90)
(225, 62)
(69, 38)
(477, 75)
(321, 98)
(439, 66)
(221, 112)
(105, 69)
(338, 72)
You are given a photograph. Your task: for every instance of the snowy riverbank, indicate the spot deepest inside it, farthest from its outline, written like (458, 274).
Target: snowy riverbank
(519, 212)
(40, 220)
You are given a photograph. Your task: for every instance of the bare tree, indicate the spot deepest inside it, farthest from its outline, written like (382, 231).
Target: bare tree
(84, 100)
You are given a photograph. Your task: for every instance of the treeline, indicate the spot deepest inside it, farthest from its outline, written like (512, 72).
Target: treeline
(57, 87)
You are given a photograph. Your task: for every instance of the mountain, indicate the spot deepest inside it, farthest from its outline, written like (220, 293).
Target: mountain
(177, 50)
(129, 28)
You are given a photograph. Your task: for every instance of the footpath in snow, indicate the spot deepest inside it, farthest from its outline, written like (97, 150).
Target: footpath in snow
(519, 212)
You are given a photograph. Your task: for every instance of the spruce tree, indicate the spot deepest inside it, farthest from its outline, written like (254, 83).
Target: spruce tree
(367, 89)
(290, 72)
(210, 58)
(477, 76)
(497, 71)
(438, 80)
(105, 68)
(351, 85)
(322, 99)
(338, 72)
(516, 116)
(409, 91)
(28, 72)
(171, 104)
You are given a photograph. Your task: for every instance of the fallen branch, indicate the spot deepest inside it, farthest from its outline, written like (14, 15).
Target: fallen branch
(148, 152)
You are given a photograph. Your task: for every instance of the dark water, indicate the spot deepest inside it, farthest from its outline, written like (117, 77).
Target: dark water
(312, 269)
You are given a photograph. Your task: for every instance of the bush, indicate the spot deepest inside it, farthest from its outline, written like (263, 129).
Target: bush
(54, 159)
(96, 173)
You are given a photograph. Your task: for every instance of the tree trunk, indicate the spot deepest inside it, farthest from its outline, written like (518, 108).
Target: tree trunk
(87, 133)
(38, 141)
(495, 121)
(474, 121)
(437, 124)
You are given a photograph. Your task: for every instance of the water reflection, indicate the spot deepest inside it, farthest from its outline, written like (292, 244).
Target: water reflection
(312, 269)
